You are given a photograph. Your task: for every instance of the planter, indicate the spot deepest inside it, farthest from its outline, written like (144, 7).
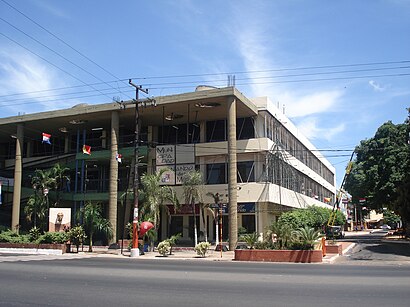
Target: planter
(334, 249)
(303, 256)
(32, 248)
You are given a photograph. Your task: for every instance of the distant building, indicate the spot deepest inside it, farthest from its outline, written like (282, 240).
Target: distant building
(247, 150)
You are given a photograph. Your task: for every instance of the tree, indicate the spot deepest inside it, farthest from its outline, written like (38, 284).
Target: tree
(153, 195)
(313, 216)
(193, 190)
(380, 172)
(38, 204)
(94, 222)
(59, 174)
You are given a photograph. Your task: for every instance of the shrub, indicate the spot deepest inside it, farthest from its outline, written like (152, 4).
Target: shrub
(251, 239)
(173, 241)
(10, 236)
(305, 238)
(77, 235)
(34, 233)
(53, 238)
(202, 248)
(163, 248)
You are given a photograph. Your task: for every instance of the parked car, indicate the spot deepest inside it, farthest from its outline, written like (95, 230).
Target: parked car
(335, 232)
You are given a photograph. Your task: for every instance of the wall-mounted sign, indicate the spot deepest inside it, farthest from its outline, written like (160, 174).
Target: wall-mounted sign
(165, 155)
(168, 177)
(181, 170)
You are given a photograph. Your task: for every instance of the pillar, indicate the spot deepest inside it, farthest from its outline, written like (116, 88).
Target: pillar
(113, 183)
(18, 171)
(232, 171)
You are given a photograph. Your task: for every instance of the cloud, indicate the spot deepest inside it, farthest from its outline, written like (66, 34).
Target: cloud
(318, 102)
(23, 73)
(309, 127)
(51, 9)
(376, 86)
(253, 46)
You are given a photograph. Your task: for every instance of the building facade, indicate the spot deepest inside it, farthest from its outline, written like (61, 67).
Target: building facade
(248, 152)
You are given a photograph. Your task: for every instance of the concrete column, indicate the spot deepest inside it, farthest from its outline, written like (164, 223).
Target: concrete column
(66, 144)
(29, 149)
(113, 183)
(232, 171)
(18, 171)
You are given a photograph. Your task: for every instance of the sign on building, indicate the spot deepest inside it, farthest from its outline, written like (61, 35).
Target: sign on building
(178, 161)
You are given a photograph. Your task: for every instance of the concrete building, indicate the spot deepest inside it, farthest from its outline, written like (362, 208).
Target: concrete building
(247, 150)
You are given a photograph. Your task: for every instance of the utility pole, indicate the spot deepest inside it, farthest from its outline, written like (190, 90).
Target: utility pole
(135, 252)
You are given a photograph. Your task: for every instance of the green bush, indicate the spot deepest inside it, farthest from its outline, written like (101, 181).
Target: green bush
(34, 233)
(53, 238)
(305, 238)
(77, 236)
(10, 236)
(202, 248)
(164, 248)
(251, 239)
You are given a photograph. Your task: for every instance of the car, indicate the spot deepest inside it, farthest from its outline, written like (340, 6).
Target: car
(385, 227)
(335, 232)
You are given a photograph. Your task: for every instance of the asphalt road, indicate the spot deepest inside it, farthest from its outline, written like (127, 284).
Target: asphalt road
(162, 282)
(372, 248)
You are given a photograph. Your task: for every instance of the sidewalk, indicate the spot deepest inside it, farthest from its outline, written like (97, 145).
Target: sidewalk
(190, 254)
(177, 254)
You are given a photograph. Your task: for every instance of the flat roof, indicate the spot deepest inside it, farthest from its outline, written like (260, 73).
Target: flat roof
(186, 105)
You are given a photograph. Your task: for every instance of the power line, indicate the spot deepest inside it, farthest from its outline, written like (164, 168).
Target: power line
(61, 40)
(250, 78)
(54, 65)
(274, 70)
(57, 53)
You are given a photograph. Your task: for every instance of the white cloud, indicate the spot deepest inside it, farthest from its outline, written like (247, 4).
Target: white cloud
(376, 86)
(318, 102)
(23, 73)
(253, 47)
(309, 127)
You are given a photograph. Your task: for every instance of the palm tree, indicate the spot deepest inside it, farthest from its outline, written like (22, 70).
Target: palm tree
(38, 204)
(36, 210)
(307, 236)
(59, 174)
(193, 186)
(153, 195)
(94, 222)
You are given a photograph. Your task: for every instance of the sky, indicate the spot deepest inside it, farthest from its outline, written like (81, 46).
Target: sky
(338, 69)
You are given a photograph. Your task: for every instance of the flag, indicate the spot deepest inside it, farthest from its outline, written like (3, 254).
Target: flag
(327, 199)
(46, 138)
(86, 149)
(144, 227)
(118, 157)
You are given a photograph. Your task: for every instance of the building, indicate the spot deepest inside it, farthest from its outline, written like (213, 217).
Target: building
(247, 150)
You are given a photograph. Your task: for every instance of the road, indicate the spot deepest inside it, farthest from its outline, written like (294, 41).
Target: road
(160, 282)
(374, 273)
(373, 248)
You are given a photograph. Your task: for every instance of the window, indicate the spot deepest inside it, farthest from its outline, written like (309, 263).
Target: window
(216, 131)
(246, 171)
(216, 173)
(245, 128)
(248, 222)
(177, 223)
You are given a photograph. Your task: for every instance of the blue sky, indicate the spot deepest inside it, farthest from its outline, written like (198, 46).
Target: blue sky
(270, 46)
